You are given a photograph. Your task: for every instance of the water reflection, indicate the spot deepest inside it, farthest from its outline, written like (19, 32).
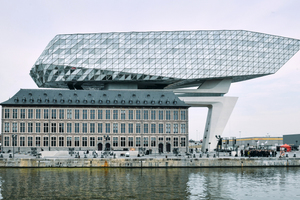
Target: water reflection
(85, 183)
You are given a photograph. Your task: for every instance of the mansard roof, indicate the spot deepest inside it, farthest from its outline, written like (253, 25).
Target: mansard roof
(107, 98)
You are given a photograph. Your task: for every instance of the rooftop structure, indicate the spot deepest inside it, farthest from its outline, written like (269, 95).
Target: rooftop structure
(166, 59)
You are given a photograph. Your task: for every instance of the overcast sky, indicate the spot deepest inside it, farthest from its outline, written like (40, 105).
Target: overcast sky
(267, 105)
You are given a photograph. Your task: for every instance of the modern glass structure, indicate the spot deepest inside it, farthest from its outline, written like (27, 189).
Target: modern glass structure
(155, 67)
(167, 59)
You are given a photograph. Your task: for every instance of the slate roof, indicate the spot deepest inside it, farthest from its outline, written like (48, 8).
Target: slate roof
(106, 98)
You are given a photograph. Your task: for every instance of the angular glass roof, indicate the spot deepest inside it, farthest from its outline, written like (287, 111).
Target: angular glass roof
(160, 59)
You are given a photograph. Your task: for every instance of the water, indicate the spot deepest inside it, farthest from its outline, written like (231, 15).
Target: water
(178, 183)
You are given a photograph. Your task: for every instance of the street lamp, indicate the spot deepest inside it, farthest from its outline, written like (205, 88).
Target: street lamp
(14, 136)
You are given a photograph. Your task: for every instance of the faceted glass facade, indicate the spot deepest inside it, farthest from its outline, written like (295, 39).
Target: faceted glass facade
(176, 57)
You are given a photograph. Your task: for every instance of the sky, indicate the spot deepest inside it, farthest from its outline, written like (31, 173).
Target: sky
(266, 106)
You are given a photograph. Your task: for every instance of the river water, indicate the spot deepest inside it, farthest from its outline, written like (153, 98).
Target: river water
(177, 183)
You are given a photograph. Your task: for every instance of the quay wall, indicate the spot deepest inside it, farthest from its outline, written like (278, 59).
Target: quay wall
(149, 162)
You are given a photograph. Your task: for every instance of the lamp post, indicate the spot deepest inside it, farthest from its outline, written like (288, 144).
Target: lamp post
(14, 136)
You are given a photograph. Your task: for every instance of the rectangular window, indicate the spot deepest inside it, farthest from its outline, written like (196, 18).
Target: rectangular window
(138, 128)
(61, 141)
(107, 114)
(84, 127)
(53, 141)
(130, 141)
(122, 114)
(22, 115)
(115, 114)
(182, 115)
(182, 128)
(182, 142)
(168, 128)
(153, 128)
(160, 128)
(38, 113)
(138, 114)
(92, 114)
(123, 142)
(76, 127)
(107, 127)
(30, 113)
(22, 141)
(153, 115)
(84, 141)
(145, 128)
(115, 128)
(100, 114)
(115, 141)
(175, 128)
(76, 141)
(168, 115)
(38, 141)
(61, 127)
(69, 141)
(38, 127)
(175, 142)
(53, 127)
(53, 116)
(153, 141)
(92, 141)
(92, 127)
(46, 141)
(146, 141)
(61, 113)
(168, 139)
(161, 115)
(100, 138)
(6, 141)
(84, 114)
(6, 115)
(76, 114)
(6, 127)
(99, 127)
(69, 114)
(122, 128)
(29, 141)
(22, 127)
(145, 114)
(130, 114)
(161, 139)
(130, 128)
(46, 114)
(69, 127)
(30, 127)
(138, 141)
(15, 113)
(14, 127)
(175, 115)
(46, 127)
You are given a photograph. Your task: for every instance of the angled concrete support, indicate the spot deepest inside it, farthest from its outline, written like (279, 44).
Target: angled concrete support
(219, 111)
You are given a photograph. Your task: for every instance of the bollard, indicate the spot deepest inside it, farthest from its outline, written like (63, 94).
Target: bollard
(200, 156)
(207, 155)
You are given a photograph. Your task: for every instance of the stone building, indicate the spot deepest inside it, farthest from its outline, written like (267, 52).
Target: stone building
(95, 120)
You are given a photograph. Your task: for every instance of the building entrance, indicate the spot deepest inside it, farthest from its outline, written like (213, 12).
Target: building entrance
(100, 147)
(160, 148)
(107, 147)
(168, 147)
